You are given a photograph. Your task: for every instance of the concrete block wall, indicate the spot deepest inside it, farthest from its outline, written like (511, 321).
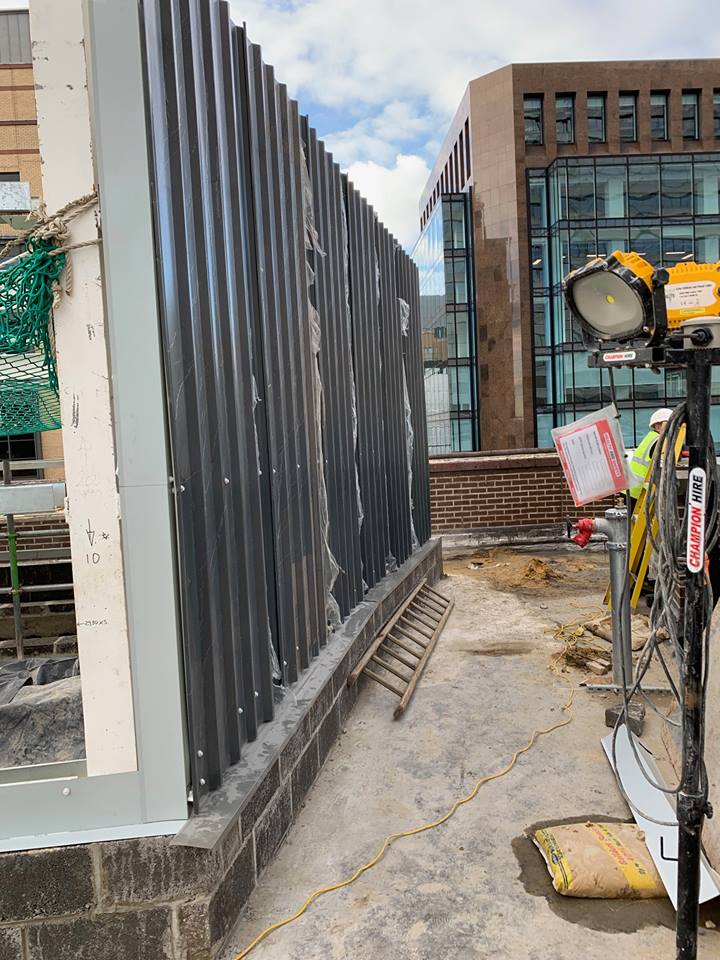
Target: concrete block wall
(157, 899)
(480, 492)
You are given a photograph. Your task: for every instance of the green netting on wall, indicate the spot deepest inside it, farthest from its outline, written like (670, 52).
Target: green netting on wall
(29, 401)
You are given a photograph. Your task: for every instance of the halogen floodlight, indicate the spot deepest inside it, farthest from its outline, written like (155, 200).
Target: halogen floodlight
(612, 298)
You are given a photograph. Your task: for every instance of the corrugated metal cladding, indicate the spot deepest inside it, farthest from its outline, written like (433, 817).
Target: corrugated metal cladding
(15, 37)
(294, 387)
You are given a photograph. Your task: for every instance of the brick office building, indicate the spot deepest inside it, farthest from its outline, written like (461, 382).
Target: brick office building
(20, 175)
(556, 163)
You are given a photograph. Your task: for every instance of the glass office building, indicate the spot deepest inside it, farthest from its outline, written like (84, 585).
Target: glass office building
(443, 255)
(665, 207)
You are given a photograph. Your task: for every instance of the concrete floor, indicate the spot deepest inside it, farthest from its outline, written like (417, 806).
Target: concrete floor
(475, 887)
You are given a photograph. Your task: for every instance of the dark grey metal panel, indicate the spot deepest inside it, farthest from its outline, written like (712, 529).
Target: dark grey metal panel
(398, 491)
(367, 362)
(328, 295)
(237, 177)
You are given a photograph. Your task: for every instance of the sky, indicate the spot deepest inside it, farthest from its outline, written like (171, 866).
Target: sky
(381, 79)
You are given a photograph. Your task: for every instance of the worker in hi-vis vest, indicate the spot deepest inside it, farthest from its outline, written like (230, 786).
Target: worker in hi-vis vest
(642, 457)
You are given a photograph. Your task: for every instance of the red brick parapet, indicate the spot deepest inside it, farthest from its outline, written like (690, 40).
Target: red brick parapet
(505, 489)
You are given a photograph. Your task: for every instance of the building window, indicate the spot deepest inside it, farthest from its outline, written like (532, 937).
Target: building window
(677, 190)
(628, 117)
(691, 115)
(581, 193)
(533, 114)
(707, 188)
(611, 191)
(596, 118)
(538, 200)
(468, 166)
(565, 118)
(666, 208)
(716, 114)
(644, 190)
(659, 116)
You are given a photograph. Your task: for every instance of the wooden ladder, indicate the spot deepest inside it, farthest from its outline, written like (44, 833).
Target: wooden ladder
(406, 641)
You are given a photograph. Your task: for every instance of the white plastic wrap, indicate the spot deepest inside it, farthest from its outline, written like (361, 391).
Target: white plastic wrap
(351, 374)
(409, 433)
(330, 565)
(256, 400)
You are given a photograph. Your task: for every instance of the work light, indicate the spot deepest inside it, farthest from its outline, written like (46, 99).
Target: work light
(612, 298)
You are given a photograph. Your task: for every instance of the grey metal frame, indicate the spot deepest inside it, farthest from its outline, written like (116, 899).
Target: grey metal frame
(72, 808)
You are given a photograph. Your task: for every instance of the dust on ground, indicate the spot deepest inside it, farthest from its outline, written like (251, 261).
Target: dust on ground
(476, 887)
(514, 569)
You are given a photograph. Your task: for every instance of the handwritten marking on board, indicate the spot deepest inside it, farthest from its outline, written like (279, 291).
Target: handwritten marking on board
(75, 411)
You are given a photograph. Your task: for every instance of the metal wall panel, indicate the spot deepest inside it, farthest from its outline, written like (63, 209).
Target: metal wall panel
(284, 361)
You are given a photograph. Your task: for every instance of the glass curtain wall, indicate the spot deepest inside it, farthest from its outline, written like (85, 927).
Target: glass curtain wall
(443, 256)
(666, 208)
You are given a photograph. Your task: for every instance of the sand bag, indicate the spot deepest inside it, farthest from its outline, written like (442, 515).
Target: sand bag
(603, 860)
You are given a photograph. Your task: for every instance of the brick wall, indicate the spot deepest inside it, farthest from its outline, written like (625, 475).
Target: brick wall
(27, 525)
(506, 489)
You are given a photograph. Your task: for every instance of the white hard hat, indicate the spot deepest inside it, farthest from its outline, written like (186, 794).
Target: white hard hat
(660, 416)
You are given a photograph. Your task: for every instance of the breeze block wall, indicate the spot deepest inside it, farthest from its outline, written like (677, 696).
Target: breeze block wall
(502, 491)
(177, 898)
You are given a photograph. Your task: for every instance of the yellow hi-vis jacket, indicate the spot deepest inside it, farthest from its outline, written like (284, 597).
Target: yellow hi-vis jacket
(640, 462)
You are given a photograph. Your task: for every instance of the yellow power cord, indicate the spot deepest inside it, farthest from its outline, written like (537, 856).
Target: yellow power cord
(567, 709)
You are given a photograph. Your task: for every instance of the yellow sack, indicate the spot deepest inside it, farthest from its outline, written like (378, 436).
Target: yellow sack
(603, 860)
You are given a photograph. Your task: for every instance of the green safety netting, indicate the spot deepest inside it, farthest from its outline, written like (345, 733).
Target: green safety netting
(29, 401)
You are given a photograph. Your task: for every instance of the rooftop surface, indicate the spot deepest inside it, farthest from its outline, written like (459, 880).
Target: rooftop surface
(475, 887)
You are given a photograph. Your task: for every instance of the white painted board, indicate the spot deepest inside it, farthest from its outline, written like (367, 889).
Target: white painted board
(656, 804)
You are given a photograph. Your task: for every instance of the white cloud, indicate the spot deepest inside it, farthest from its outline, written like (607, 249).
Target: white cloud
(338, 52)
(393, 192)
(402, 66)
(380, 136)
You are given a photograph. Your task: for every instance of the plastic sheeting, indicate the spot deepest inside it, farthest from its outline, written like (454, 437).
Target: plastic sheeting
(409, 433)
(360, 510)
(330, 565)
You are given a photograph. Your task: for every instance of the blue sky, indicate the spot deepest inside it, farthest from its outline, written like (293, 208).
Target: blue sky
(380, 79)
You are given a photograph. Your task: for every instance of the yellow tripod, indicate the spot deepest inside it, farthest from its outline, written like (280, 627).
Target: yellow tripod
(640, 542)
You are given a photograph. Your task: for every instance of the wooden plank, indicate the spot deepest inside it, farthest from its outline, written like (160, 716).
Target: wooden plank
(365, 660)
(430, 609)
(430, 601)
(386, 683)
(422, 628)
(422, 617)
(391, 669)
(404, 646)
(428, 612)
(438, 595)
(405, 699)
(406, 633)
(400, 657)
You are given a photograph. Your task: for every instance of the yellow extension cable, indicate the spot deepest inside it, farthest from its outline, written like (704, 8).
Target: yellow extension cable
(567, 709)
